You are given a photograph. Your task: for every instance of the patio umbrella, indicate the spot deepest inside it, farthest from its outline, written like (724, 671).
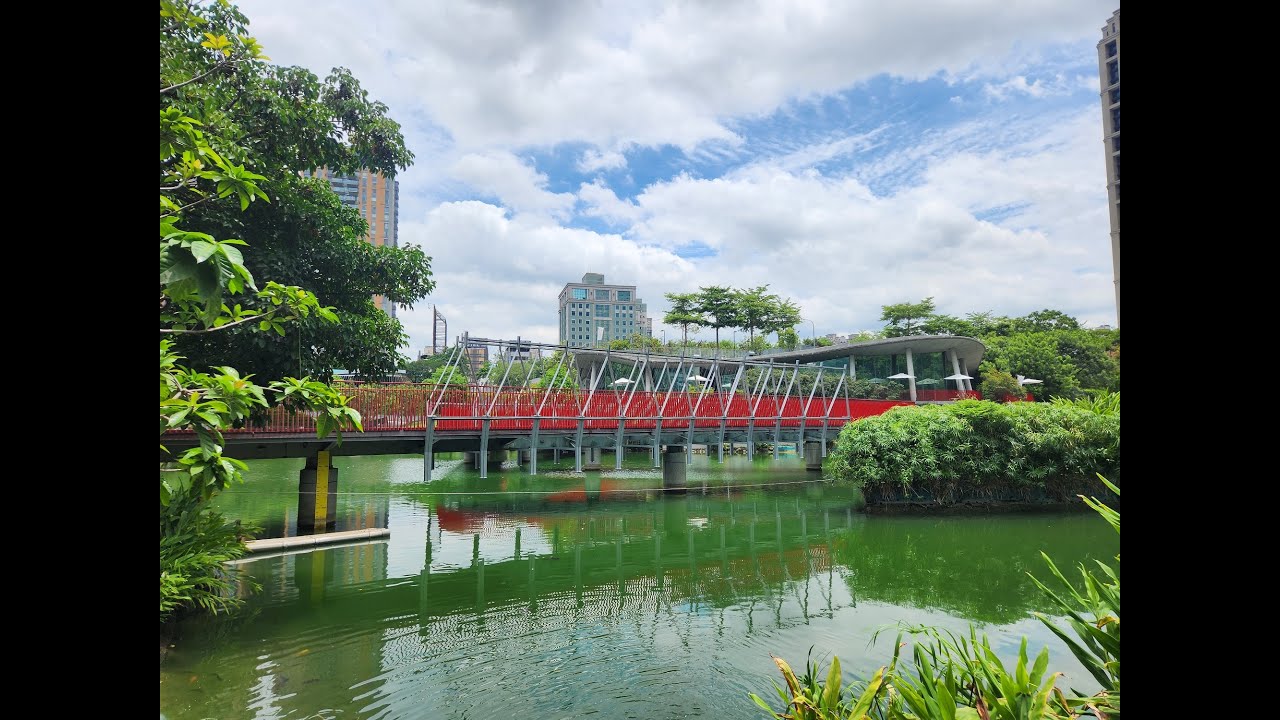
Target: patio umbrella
(958, 376)
(900, 376)
(1027, 381)
(698, 378)
(928, 381)
(622, 381)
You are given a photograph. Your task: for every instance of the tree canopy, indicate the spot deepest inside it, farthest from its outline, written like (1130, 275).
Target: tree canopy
(283, 121)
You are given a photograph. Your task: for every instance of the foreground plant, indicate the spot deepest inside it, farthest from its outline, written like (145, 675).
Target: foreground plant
(206, 289)
(954, 677)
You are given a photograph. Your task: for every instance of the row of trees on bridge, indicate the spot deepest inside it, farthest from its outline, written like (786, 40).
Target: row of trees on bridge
(749, 309)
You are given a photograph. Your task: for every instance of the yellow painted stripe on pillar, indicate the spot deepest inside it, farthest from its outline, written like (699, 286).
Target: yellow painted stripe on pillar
(322, 488)
(317, 575)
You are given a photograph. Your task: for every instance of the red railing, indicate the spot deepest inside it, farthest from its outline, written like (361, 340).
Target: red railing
(457, 408)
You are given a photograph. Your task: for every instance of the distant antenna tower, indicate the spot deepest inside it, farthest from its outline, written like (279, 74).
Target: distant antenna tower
(440, 333)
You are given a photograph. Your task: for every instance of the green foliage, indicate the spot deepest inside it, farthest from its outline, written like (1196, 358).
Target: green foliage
(207, 288)
(958, 677)
(997, 384)
(194, 543)
(977, 450)
(1068, 361)
(718, 305)
(1047, 345)
(224, 109)
(906, 318)
(684, 313)
(874, 391)
(757, 308)
(1101, 403)
(449, 375)
(788, 339)
(419, 370)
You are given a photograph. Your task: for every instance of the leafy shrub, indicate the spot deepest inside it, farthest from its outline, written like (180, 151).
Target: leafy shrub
(978, 450)
(997, 384)
(194, 542)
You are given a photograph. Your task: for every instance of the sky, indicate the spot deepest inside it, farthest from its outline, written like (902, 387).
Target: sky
(847, 153)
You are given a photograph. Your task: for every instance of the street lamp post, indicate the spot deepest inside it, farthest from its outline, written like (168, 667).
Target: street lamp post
(813, 329)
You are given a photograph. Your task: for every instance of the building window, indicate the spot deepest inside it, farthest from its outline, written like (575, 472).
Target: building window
(1115, 144)
(1111, 49)
(1115, 120)
(1113, 72)
(1115, 96)
(579, 293)
(1116, 159)
(624, 295)
(602, 294)
(602, 311)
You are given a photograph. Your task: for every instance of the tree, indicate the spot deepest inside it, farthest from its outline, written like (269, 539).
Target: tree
(788, 339)
(418, 370)
(719, 307)
(282, 121)
(997, 384)
(906, 318)
(1044, 321)
(684, 313)
(206, 290)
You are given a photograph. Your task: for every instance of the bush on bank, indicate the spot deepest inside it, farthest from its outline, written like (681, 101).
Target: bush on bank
(979, 451)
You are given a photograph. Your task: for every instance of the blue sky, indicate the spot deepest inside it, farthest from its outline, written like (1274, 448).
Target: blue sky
(849, 154)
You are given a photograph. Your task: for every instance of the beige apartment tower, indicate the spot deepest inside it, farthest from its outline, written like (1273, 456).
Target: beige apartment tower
(1109, 69)
(377, 197)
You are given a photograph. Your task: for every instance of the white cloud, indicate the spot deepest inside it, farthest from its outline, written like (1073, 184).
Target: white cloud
(828, 242)
(601, 202)
(593, 160)
(1040, 87)
(526, 74)
(1004, 211)
(519, 185)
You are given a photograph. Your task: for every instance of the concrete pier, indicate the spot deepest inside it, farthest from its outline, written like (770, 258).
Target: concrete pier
(591, 458)
(674, 466)
(317, 491)
(813, 456)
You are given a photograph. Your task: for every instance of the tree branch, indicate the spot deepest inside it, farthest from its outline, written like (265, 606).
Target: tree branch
(188, 206)
(201, 76)
(173, 331)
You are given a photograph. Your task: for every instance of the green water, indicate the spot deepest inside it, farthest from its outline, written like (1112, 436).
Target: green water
(565, 596)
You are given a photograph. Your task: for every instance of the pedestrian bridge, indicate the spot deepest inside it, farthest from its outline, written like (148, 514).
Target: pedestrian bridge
(624, 401)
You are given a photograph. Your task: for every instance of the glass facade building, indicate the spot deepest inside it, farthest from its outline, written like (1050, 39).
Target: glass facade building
(593, 314)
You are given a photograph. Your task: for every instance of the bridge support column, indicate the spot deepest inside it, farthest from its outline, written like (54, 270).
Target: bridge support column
(428, 450)
(674, 465)
(524, 457)
(317, 490)
(593, 459)
(813, 455)
(533, 448)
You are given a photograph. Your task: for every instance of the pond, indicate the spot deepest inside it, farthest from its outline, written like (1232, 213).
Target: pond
(572, 595)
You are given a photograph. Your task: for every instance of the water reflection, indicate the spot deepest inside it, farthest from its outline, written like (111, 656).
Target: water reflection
(563, 595)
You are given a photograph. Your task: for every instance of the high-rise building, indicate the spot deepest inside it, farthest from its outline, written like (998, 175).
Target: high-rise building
(1109, 69)
(377, 197)
(593, 314)
(477, 356)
